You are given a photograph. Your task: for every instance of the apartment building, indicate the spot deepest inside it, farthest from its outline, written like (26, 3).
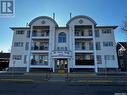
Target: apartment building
(80, 45)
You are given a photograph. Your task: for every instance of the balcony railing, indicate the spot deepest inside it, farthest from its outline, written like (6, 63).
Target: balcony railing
(40, 34)
(39, 62)
(35, 47)
(83, 33)
(85, 62)
(85, 49)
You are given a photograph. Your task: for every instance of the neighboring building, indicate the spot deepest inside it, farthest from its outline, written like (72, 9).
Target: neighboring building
(122, 55)
(79, 45)
(4, 60)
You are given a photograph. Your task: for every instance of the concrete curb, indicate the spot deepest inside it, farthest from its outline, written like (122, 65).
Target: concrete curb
(17, 80)
(44, 74)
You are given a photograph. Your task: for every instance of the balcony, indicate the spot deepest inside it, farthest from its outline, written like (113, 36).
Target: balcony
(38, 34)
(84, 62)
(84, 48)
(39, 49)
(39, 62)
(81, 45)
(44, 47)
(61, 54)
(39, 59)
(84, 59)
(83, 31)
(40, 45)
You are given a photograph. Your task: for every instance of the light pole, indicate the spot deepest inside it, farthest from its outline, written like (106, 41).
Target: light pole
(105, 67)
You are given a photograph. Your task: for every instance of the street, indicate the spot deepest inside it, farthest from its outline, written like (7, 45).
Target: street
(61, 88)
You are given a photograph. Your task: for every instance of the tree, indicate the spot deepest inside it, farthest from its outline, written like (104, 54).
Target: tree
(124, 26)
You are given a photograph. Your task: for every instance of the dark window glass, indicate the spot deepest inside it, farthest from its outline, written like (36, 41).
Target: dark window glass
(62, 37)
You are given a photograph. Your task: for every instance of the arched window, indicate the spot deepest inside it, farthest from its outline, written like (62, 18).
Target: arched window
(62, 37)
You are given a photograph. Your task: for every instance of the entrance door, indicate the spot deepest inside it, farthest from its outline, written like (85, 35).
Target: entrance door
(61, 64)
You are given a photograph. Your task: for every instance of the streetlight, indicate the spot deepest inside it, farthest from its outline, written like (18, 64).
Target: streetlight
(121, 51)
(122, 48)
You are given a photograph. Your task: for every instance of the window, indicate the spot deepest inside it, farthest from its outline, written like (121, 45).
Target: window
(25, 59)
(77, 46)
(40, 60)
(90, 45)
(84, 59)
(27, 46)
(61, 48)
(99, 61)
(97, 33)
(107, 44)
(90, 32)
(77, 33)
(28, 34)
(18, 44)
(106, 31)
(121, 53)
(62, 37)
(19, 32)
(34, 33)
(16, 57)
(44, 45)
(98, 46)
(109, 57)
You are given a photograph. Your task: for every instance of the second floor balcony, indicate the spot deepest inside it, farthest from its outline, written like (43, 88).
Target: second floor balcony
(84, 45)
(42, 47)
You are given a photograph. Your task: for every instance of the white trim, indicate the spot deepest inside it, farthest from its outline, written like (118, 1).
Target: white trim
(29, 51)
(94, 46)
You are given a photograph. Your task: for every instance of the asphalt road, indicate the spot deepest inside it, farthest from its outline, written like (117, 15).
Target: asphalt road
(61, 88)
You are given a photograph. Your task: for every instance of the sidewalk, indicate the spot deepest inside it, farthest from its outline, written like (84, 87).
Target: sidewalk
(64, 77)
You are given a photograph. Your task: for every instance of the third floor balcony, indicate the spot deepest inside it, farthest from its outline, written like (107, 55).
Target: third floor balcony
(40, 34)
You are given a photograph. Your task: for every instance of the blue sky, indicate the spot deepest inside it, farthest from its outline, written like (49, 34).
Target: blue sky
(104, 12)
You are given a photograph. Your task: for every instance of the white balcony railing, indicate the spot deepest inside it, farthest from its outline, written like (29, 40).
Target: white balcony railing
(40, 34)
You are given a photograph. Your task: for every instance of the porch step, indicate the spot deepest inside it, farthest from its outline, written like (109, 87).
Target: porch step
(61, 71)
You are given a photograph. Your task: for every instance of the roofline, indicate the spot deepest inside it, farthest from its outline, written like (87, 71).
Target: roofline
(81, 16)
(114, 27)
(39, 17)
(13, 28)
(62, 27)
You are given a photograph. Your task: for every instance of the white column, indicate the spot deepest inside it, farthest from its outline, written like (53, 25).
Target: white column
(29, 51)
(51, 47)
(94, 46)
(72, 30)
(68, 63)
(53, 64)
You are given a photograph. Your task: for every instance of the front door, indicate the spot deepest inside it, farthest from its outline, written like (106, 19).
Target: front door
(61, 65)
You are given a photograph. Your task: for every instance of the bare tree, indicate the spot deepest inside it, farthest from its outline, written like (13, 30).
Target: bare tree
(124, 26)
